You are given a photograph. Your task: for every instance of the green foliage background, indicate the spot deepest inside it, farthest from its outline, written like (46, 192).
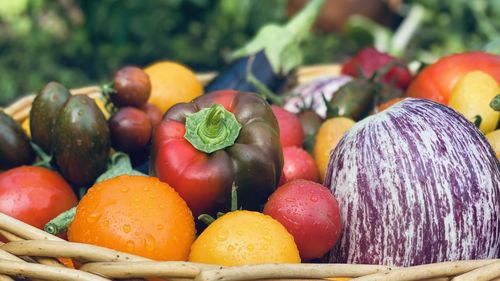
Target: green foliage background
(81, 42)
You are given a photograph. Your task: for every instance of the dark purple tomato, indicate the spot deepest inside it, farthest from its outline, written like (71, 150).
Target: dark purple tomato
(130, 129)
(132, 86)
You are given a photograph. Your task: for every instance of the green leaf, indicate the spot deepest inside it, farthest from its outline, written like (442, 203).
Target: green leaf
(281, 43)
(119, 164)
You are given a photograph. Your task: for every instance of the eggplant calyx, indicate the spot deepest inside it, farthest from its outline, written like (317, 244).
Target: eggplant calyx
(212, 129)
(281, 43)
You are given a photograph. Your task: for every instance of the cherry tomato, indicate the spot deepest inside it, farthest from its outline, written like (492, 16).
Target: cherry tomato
(310, 213)
(437, 80)
(132, 87)
(153, 112)
(298, 164)
(291, 132)
(34, 195)
(130, 129)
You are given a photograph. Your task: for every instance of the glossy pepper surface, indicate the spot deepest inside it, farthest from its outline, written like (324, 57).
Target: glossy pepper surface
(201, 148)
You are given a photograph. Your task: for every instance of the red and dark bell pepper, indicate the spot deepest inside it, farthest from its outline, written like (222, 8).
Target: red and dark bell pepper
(201, 148)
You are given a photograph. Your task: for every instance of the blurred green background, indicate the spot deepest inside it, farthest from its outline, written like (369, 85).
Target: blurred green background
(81, 42)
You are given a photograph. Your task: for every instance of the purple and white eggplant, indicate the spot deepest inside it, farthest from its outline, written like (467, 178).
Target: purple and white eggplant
(416, 183)
(310, 94)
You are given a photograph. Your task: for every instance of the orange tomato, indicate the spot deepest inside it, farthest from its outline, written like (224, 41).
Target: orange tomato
(388, 104)
(172, 83)
(135, 214)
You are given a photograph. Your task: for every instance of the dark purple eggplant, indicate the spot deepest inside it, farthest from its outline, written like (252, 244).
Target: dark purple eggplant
(235, 76)
(267, 60)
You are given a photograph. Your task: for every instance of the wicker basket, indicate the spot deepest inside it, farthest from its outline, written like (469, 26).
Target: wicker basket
(34, 254)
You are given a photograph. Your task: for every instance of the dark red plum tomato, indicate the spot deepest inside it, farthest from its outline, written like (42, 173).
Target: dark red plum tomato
(310, 213)
(291, 132)
(130, 129)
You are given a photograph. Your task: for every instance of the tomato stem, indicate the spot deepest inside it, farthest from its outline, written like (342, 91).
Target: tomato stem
(60, 223)
(495, 103)
(212, 129)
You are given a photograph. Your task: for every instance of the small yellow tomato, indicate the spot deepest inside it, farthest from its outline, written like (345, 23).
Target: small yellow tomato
(327, 138)
(26, 126)
(244, 237)
(494, 139)
(101, 103)
(472, 95)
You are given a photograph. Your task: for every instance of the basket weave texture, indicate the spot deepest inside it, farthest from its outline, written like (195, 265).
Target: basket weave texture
(33, 254)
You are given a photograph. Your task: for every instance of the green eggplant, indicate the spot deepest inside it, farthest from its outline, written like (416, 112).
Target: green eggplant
(44, 112)
(81, 141)
(15, 148)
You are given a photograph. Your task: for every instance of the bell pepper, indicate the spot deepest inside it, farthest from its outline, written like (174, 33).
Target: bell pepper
(219, 139)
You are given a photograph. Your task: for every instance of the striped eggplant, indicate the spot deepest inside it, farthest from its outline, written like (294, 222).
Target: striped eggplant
(416, 183)
(314, 93)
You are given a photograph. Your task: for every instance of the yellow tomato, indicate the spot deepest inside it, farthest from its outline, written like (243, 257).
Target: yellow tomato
(494, 139)
(101, 103)
(172, 83)
(26, 126)
(327, 138)
(244, 237)
(472, 96)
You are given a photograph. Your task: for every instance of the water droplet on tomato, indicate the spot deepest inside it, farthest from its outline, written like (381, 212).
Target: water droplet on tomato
(250, 247)
(124, 189)
(160, 227)
(146, 188)
(290, 200)
(230, 248)
(150, 242)
(162, 206)
(126, 228)
(92, 218)
(152, 196)
(106, 223)
(314, 198)
(222, 236)
(130, 246)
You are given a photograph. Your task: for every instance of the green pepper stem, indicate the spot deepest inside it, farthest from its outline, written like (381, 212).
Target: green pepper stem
(60, 223)
(213, 126)
(212, 129)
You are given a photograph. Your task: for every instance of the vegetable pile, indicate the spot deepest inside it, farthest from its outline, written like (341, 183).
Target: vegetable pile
(372, 165)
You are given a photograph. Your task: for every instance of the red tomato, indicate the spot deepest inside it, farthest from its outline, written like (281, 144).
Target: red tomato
(34, 195)
(370, 60)
(298, 164)
(291, 132)
(436, 81)
(310, 213)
